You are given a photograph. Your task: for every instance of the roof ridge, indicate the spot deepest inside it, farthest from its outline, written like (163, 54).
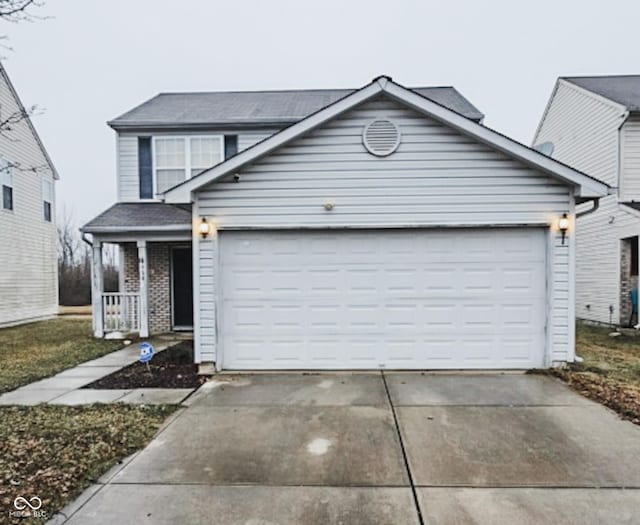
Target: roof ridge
(302, 90)
(600, 76)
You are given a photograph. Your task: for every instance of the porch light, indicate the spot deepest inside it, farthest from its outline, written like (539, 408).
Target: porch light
(204, 228)
(563, 226)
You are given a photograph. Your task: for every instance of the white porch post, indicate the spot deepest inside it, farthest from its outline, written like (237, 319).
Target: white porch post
(143, 270)
(97, 287)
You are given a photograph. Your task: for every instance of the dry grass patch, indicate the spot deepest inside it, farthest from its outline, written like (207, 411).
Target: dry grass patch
(610, 373)
(55, 452)
(38, 350)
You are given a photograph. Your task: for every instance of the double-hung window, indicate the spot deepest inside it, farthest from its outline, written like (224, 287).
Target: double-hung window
(47, 198)
(179, 158)
(6, 178)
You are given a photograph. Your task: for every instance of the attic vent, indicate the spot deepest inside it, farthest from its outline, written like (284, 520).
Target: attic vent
(381, 137)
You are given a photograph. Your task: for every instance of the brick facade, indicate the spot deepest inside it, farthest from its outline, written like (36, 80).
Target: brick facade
(159, 254)
(627, 283)
(130, 270)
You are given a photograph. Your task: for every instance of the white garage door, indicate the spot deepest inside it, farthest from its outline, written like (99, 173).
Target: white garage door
(393, 299)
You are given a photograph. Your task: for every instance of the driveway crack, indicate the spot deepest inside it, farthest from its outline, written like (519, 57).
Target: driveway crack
(404, 452)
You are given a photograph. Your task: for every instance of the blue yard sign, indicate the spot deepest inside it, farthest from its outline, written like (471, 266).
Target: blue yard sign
(146, 352)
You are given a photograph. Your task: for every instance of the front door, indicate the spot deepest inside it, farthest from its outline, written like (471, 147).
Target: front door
(182, 286)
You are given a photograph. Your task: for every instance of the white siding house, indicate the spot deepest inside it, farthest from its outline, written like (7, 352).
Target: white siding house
(444, 253)
(380, 228)
(593, 125)
(28, 263)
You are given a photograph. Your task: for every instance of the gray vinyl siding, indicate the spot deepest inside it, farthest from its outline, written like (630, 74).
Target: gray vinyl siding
(437, 177)
(584, 131)
(127, 155)
(28, 265)
(598, 260)
(630, 160)
(246, 140)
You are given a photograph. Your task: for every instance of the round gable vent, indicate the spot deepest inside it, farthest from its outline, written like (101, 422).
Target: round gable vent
(381, 137)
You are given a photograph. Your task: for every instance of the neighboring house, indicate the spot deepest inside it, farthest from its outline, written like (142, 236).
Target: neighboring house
(384, 227)
(593, 124)
(28, 261)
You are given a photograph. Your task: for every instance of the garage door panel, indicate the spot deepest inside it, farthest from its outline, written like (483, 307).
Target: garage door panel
(245, 317)
(439, 280)
(478, 351)
(371, 299)
(518, 349)
(361, 280)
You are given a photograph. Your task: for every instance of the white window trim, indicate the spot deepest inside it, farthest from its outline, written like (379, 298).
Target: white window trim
(187, 155)
(12, 186)
(47, 180)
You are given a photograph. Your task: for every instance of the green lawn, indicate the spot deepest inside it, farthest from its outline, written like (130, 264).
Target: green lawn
(55, 452)
(37, 350)
(610, 373)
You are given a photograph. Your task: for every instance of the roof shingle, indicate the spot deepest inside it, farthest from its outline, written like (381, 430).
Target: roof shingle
(259, 107)
(132, 216)
(623, 89)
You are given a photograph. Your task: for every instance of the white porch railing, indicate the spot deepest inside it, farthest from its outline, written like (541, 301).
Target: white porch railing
(121, 312)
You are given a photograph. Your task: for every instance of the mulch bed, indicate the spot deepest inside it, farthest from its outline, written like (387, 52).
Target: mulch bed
(171, 368)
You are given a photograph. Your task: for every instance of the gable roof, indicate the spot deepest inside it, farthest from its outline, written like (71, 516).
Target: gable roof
(27, 119)
(586, 186)
(622, 89)
(248, 108)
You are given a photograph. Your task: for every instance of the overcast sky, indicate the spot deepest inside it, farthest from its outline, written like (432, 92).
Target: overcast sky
(93, 60)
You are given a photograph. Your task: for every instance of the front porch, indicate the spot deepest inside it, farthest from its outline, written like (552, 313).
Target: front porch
(155, 267)
(155, 289)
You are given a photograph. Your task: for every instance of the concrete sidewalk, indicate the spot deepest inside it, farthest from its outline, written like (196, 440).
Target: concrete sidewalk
(65, 388)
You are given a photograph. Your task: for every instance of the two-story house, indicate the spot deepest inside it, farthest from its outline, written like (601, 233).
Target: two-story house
(28, 262)
(383, 227)
(593, 124)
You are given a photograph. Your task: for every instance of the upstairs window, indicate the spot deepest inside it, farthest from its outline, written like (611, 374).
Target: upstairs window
(47, 198)
(179, 158)
(6, 177)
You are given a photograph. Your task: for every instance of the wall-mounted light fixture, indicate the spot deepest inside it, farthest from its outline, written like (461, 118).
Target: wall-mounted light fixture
(563, 226)
(204, 228)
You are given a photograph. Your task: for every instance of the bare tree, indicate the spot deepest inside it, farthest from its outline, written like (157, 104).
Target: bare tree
(18, 10)
(74, 270)
(70, 247)
(74, 264)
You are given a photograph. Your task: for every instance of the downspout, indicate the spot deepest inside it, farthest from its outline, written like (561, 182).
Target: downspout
(596, 205)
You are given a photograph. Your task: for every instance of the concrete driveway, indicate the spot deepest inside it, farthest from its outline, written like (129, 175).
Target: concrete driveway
(389, 448)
